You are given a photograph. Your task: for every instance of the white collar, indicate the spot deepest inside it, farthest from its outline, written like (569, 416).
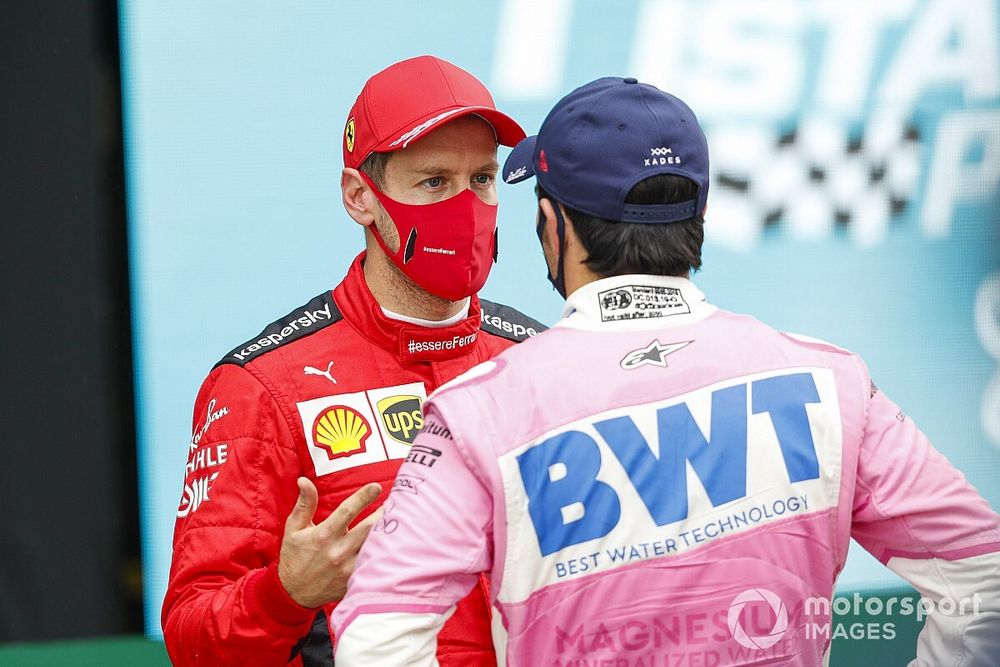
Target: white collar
(433, 324)
(635, 301)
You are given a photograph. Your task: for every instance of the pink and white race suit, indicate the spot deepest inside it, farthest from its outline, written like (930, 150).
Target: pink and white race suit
(655, 482)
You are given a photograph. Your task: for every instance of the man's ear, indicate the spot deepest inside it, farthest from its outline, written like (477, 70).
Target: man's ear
(570, 239)
(550, 228)
(359, 201)
(550, 235)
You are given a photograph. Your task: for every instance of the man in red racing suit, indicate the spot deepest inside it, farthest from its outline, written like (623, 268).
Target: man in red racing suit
(331, 393)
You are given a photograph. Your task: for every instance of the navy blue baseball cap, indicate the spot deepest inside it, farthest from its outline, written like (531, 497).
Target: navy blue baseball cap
(603, 138)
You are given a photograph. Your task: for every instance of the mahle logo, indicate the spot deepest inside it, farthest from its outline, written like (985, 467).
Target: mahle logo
(341, 431)
(402, 417)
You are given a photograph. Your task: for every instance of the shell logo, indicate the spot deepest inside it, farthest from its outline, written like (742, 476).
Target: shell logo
(341, 431)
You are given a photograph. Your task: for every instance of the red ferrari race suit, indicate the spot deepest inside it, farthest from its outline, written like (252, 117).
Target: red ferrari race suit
(332, 392)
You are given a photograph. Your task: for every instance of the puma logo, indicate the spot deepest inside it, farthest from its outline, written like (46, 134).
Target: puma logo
(309, 370)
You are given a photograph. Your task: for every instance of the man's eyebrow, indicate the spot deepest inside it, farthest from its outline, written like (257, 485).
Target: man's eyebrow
(431, 169)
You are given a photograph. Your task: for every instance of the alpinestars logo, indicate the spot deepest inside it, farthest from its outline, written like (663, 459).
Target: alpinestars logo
(654, 354)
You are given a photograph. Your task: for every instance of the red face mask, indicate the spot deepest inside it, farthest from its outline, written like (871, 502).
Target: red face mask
(447, 247)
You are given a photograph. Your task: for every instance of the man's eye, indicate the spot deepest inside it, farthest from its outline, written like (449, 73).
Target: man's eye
(483, 179)
(434, 182)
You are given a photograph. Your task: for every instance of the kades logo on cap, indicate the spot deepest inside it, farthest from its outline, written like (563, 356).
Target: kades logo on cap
(401, 417)
(661, 155)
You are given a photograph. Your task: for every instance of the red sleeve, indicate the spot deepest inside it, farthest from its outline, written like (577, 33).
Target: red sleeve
(225, 604)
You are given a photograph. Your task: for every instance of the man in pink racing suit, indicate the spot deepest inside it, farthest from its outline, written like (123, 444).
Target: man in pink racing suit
(656, 481)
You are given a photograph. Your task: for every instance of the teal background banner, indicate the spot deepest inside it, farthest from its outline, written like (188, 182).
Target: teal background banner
(856, 160)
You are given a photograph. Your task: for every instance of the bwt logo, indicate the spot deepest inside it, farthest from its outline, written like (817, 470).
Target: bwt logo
(560, 473)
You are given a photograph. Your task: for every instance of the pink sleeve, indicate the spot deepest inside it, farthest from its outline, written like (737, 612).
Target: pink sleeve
(910, 500)
(916, 512)
(423, 556)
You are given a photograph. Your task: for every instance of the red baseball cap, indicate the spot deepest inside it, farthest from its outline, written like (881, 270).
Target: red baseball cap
(406, 100)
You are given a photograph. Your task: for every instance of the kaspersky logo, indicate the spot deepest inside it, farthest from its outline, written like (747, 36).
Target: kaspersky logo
(341, 431)
(308, 319)
(402, 417)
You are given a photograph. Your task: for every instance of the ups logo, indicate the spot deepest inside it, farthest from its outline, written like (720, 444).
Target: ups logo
(402, 417)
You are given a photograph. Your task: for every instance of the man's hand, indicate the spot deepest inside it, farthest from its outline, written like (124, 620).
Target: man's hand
(316, 560)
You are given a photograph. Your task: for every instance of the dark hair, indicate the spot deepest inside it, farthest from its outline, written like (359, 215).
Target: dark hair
(374, 167)
(615, 248)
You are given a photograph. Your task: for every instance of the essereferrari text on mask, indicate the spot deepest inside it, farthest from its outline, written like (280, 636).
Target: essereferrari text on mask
(447, 247)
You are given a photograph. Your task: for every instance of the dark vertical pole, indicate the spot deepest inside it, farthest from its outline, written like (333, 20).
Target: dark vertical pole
(67, 454)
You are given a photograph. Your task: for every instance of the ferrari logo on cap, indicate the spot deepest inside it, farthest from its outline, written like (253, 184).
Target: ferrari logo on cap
(349, 135)
(341, 431)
